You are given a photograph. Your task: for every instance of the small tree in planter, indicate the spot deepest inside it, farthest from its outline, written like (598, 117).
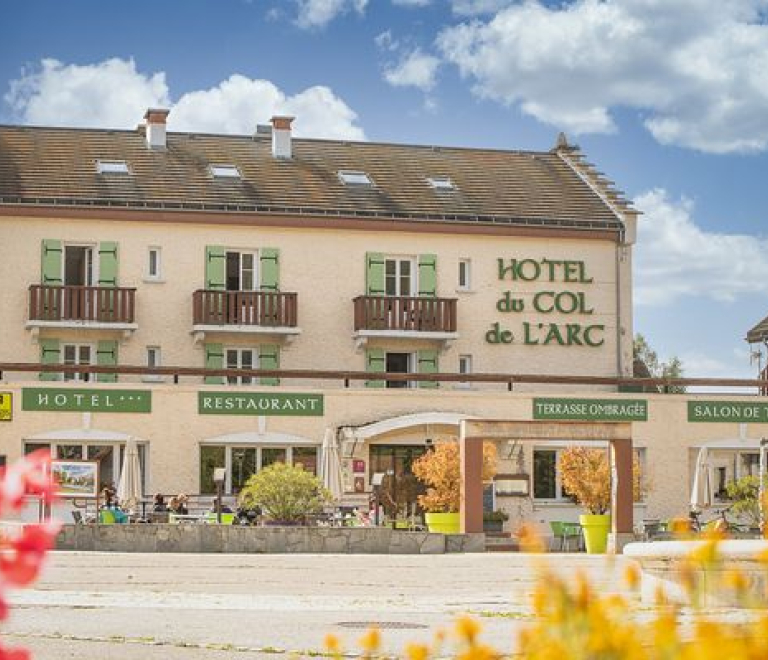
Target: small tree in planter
(745, 495)
(284, 493)
(586, 477)
(440, 470)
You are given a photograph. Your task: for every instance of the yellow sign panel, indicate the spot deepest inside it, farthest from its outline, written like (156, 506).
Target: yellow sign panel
(6, 406)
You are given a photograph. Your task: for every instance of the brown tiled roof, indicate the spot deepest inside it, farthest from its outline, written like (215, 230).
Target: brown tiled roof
(759, 332)
(57, 166)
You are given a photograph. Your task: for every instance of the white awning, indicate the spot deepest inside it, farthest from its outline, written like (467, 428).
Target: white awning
(81, 435)
(266, 438)
(407, 421)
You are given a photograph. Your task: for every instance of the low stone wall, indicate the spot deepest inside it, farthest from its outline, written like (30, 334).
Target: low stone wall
(239, 539)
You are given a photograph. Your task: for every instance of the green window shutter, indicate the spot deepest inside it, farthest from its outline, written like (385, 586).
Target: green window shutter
(269, 275)
(108, 263)
(51, 262)
(214, 359)
(106, 356)
(269, 358)
(374, 274)
(428, 365)
(428, 275)
(215, 267)
(375, 362)
(50, 353)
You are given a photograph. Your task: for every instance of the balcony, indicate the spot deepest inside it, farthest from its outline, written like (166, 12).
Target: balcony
(82, 306)
(405, 317)
(254, 312)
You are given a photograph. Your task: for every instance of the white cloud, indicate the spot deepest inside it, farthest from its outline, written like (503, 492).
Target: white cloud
(110, 94)
(415, 69)
(316, 14)
(696, 72)
(674, 257)
(477, 7)
(114, 94)
(385, 41)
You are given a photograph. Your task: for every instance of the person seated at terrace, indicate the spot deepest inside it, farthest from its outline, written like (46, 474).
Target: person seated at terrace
(110, 510)
(224, 507)
(178, 505)
(159, 505)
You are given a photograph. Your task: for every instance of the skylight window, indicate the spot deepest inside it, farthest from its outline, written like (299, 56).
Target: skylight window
(441, 183)
(225, 171)
(112, 167)
(355, 178)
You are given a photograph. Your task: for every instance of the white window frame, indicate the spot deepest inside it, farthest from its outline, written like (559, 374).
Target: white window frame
(414, 276)
(224, 171)
(465, 360)
(94, 270)
(79, 378)
(355, 178)
(442, 183)
(157, 276)
(255, 359)
(413, 363)
(119, 167)
(467, 284)
(558, 499)
(153, 378)
(256, 267)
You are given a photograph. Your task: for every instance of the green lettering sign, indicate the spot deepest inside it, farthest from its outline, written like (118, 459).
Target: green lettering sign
(727, 411)
(606, 410)
(260, 403)
(60, 399)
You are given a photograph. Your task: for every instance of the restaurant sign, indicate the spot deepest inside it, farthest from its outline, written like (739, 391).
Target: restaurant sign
(61, 399)
(727, 411)
(259, 403)
(6, 406)
(604, 410)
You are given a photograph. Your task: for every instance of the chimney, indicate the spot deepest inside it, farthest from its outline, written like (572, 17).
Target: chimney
(281, 137)
(155, 133)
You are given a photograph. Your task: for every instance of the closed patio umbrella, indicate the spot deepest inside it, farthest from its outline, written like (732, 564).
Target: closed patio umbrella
(129, 490)
(701, 493)
(330, 465)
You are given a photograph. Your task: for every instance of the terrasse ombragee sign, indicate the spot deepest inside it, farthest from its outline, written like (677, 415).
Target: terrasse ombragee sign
(606, 410)
(259, 403)
(727, 411)
(60, 399)
(564, 302)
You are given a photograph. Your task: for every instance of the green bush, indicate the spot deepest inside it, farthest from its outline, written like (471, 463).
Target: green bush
(284, 493)
(745, 494)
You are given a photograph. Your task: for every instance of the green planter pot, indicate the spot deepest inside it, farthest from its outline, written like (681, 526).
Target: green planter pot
(443, 523)
(596, 530)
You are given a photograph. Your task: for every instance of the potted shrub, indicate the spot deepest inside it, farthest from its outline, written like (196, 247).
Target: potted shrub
(493, 521)
(586, 477)
(285, 494)
(745, 497)
(440, 470)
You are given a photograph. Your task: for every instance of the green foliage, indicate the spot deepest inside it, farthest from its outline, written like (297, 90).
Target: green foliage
(745, 495)
(495, 516)
(673, 368)
(285, 493)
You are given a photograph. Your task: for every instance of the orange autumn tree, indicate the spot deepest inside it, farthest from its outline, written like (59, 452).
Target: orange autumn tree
(440, 470)
(586, 476)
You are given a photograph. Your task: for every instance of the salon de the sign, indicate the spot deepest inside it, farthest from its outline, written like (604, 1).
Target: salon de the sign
(53, 399)
(551, 300)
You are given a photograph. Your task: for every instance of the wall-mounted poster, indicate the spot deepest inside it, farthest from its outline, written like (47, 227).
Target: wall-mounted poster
(358, 465)
(76, 478)
(6, 406)
(359, 484)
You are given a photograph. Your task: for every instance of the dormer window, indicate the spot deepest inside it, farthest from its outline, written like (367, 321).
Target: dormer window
(225, 172)
(112, 167)
(352, 178)
(441, 183)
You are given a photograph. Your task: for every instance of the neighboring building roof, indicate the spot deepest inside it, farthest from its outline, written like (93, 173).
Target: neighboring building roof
(759, 332)
(57, 166)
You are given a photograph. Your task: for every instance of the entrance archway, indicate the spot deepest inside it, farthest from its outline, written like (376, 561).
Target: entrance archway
(617, 434)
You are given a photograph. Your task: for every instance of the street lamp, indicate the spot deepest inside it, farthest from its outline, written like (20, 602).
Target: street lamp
(219, 477)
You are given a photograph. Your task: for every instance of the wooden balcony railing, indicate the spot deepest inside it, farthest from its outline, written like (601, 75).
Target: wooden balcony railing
(257, 308)
(99, 304)
(420, 314)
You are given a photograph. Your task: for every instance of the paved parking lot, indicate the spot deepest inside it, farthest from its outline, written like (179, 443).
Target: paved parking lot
(213, 607)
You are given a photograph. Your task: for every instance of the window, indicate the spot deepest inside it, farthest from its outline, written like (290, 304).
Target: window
(153, 264)
(441, 183)
(546, 477)
(240, 463)
(399, 363)
(78, 264)
(77, 354)
(465, 367)
(241, 358)
(225, 171)
(112, 167)
(352, 178)
(153, 360)
(399, 276)
(464, 274)
(242, 272)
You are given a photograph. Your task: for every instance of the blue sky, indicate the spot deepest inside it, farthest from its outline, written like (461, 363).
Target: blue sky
(669, 99)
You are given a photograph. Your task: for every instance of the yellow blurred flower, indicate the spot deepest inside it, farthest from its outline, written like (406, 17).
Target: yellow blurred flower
(416, 651)
(467, 629)
(332, 643)
(632, 576)
(371, 641)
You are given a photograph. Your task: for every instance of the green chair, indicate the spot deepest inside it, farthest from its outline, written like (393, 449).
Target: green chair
(107, 517)
(571, 531)
(226, 519)
(558, 534)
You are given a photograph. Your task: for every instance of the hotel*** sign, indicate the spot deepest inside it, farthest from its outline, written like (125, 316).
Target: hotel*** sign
(51, 399)
(727, 411)
(258, 403)
(605, 410)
